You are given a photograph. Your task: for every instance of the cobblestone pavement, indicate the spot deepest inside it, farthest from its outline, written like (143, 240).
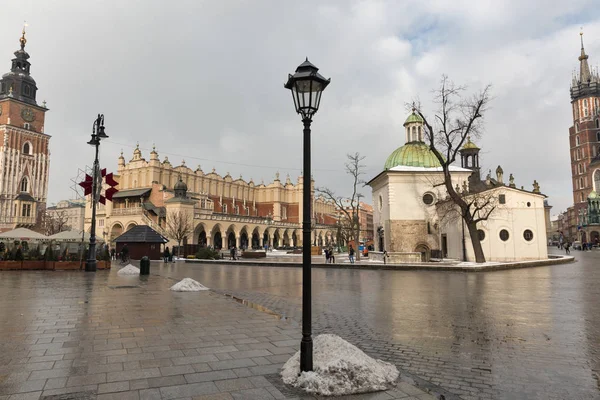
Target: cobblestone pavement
(69, 335)
(520, 334)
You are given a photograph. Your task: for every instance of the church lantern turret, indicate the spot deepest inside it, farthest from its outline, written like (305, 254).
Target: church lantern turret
(469, 158)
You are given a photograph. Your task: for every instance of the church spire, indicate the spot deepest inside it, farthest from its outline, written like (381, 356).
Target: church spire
(584, 67)
(22, 40)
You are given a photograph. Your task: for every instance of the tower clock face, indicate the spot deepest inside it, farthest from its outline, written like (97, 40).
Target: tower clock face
(27, 114)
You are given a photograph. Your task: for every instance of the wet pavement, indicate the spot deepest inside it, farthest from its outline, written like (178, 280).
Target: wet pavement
(74, 335)
(530, 333)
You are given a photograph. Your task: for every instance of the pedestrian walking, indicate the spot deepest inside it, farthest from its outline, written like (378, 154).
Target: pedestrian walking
(331, 256)
(567, 245)
(113, 254)
(326, 256)
(351, 254)
(232, 253)
(166, 254)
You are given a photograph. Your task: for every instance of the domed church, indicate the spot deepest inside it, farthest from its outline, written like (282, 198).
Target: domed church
(411, 217)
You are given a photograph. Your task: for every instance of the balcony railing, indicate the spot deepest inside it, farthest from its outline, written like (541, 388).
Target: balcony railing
(127, 211)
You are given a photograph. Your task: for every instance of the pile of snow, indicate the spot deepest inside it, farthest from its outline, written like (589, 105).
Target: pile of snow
(339, 368)
(188, 285)
(129, 270)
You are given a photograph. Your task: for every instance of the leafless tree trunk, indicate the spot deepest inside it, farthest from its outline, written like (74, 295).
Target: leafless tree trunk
(457, 119)
(179, 226)
(349, 207)
(50, 223)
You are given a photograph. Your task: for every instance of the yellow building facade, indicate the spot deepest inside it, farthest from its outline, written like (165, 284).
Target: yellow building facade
(225, 211)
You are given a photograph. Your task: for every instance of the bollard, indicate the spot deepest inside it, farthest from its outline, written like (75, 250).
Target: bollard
(145, 266)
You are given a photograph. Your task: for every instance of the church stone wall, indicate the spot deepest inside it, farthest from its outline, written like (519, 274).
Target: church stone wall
(406, 236)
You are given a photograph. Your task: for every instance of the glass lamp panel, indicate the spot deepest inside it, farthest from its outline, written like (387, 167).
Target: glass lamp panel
(295, 97)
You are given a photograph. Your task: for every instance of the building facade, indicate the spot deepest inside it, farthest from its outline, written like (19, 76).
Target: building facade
(71, 212)
(24, 151)
(226, 211)
(414, 218)
(584, 144)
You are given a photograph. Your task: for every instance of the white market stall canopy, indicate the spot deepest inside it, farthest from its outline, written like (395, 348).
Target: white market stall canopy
(72, 236)
(23, 234)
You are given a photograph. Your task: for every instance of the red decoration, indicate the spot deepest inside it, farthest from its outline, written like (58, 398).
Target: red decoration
(88, 183)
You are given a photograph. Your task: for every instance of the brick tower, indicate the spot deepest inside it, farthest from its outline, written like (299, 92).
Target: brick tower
(24, 155)
(584, 135)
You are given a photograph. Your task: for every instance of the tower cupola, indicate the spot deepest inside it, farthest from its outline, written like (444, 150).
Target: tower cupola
(18, 83)
(414, 127)
(469, 158)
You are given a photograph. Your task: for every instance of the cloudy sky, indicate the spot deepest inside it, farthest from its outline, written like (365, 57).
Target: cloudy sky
(203, 80)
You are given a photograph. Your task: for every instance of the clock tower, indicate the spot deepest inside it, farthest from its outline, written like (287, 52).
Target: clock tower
(24, 154)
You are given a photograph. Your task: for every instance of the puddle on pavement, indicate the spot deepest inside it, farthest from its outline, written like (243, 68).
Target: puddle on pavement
(257, 307)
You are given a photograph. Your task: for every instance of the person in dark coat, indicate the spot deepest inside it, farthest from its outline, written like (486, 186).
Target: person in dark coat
(166, 254)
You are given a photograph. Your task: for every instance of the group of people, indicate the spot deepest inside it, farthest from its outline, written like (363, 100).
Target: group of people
(167, 255)
(123, 254)
(330, 256)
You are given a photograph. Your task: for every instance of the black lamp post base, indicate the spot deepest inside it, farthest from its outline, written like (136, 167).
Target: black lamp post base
(306, 355)
(90, 266)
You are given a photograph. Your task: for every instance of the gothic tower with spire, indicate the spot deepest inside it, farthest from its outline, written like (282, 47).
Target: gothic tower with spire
(584, 135)
(24, 154)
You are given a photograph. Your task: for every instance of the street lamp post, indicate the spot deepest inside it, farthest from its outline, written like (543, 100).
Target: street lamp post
(306, 86)
(97, 135)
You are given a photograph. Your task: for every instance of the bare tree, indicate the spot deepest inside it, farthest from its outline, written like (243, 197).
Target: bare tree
(52, 222)
(458, 118)
(349, 207)
(179, 226)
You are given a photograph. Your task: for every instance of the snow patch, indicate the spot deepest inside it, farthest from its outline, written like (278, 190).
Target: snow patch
(129, 270)
(188, 285)
(339, 368)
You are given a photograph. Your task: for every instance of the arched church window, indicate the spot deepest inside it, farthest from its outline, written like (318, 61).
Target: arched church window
(580, 183)
(585, 107)
(576, 140)
(597, 123)
(598, 135)
(24, 184)
(225, 208)
(577, 127)
(27, 148)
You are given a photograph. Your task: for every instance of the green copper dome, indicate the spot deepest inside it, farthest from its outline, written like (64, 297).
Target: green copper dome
(414, 117)
(593, 195)
(414, 154)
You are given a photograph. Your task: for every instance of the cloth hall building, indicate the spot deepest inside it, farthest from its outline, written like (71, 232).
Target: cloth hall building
(226, 211)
